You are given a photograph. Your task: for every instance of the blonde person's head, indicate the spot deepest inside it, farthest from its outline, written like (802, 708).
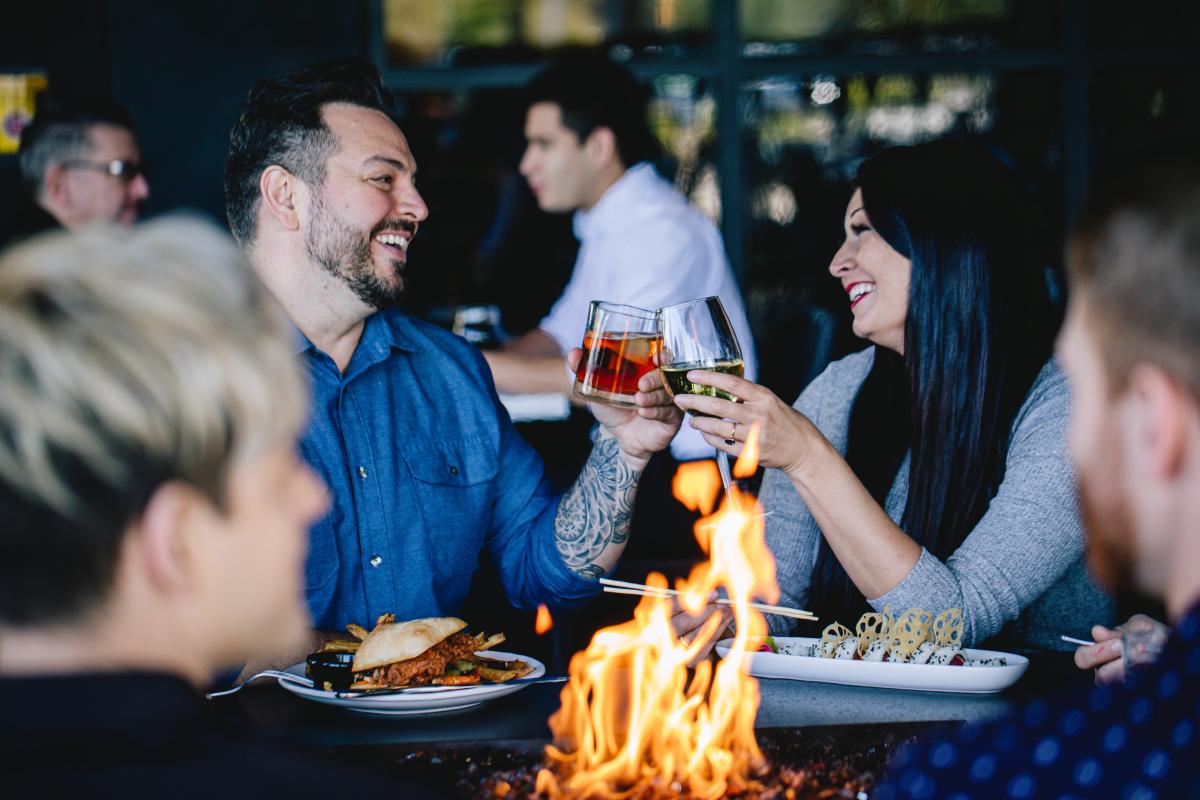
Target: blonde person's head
(128, 358)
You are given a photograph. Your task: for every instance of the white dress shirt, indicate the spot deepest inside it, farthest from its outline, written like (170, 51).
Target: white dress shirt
(643, 245)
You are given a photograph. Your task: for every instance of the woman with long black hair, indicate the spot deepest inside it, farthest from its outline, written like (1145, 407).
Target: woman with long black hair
(931, 469)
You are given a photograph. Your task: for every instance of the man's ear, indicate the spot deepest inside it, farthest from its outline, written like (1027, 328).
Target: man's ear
(280, 190)
(1158, 411)
(601, 146)
(55, 185)
(164, 539)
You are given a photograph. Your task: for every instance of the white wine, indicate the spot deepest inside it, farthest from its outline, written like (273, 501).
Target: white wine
(677, 383)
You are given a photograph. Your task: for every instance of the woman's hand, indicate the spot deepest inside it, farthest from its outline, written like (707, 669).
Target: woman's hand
(787, 440)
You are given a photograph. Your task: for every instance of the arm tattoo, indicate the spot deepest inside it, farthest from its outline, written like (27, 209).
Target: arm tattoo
(594, 514)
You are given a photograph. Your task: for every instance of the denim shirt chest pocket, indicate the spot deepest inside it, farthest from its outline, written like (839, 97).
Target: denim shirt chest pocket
(454, 481)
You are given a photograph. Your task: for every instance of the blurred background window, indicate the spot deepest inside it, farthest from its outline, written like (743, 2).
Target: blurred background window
(764, 109)
(770, 26)
(467, 31)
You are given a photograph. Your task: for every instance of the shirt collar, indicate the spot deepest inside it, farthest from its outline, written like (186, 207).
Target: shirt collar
(610, 208)
(383, 331)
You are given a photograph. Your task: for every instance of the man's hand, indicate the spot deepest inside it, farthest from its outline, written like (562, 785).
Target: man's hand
(644, 430)
(702, 630)
(1106, 656)
(286, 659)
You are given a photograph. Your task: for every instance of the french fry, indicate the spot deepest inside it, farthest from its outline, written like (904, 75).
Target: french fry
(456, 680)
(492, 641)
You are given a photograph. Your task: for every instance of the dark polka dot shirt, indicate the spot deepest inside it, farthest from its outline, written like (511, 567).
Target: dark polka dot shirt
(1138, 741)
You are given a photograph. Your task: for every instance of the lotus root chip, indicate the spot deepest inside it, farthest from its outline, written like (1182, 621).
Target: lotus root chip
(832, 635)
(871, 626)
(911, 628)
(948, 628)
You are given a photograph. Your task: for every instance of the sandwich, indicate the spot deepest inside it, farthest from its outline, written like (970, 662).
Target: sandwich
(433, 651)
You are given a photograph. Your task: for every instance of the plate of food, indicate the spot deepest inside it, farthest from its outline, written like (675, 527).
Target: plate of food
(413, 668)
(912, 651)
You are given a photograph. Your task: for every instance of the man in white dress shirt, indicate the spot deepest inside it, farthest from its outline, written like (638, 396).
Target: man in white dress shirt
(641, 244)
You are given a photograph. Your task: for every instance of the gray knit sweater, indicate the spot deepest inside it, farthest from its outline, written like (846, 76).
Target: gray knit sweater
(1023, 564)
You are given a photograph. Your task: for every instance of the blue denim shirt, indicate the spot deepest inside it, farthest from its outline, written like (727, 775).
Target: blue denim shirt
(425, 470)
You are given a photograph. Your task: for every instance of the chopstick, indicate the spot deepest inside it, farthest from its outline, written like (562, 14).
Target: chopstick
(641, 590)
(1073, 640)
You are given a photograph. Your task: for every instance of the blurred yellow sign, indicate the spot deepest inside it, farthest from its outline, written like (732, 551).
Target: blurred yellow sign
(17, 96)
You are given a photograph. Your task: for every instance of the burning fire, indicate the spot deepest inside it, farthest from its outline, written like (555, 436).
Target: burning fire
(544, 621)
(631, 724)
(747, 462)
(696, 484)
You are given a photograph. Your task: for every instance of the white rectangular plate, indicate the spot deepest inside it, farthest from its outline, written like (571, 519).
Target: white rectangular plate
(883, 674)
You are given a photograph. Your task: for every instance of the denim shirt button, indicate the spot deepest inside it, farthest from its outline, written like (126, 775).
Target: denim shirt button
(362, 472)
(453, 470)
(376, 561)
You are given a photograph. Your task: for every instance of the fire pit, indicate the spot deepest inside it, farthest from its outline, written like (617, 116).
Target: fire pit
(827, 762)
(646, 716)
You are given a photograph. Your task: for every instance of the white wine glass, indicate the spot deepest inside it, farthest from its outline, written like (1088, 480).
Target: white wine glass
(697, 335)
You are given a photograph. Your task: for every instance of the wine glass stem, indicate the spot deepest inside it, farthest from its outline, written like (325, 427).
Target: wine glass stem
(726, 476)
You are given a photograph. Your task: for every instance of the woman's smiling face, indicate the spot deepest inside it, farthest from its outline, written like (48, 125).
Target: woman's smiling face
(875, 278)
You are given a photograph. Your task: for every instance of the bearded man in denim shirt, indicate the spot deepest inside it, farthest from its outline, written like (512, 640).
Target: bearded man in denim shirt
(424, 466)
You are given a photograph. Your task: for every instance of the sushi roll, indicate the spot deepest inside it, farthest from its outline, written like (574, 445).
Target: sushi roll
(847, 649)
(948, 656)
(825, 648)
(924, 653)
(989, 662)
(876, 651)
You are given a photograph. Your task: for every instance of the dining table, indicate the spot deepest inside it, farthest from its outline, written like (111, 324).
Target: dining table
(859, 717)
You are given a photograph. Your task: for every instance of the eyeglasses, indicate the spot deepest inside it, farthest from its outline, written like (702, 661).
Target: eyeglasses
(126, 170)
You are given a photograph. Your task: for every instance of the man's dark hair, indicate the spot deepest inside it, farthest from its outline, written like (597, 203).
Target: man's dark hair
(593, 92)
(59, 131)
(281, 123)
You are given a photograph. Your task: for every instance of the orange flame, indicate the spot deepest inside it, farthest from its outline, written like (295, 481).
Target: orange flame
(747, 462)
(696, 484)
(544, 621)
(631, 723)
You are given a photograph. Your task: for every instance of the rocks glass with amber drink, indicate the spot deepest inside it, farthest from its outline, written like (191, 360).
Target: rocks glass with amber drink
(620, 345)
(697, 335)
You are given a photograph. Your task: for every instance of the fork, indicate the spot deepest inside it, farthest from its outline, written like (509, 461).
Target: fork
(266, 673)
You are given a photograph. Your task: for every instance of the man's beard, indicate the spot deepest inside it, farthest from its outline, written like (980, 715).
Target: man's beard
(345, 253)
(1108, 522)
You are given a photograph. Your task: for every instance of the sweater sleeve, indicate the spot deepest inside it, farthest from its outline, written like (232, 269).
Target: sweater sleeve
(791, 532)
(1029, 537)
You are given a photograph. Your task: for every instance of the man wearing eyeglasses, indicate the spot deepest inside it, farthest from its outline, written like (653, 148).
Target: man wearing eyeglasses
(81, 165)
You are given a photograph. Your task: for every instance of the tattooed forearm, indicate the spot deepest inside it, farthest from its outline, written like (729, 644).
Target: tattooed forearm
(593, 517)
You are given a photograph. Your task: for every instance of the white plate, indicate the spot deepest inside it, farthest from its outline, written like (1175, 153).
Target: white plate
(884, 674)
(421, 701)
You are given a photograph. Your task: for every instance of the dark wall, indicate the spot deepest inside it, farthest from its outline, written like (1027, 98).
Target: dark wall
(181, 68)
